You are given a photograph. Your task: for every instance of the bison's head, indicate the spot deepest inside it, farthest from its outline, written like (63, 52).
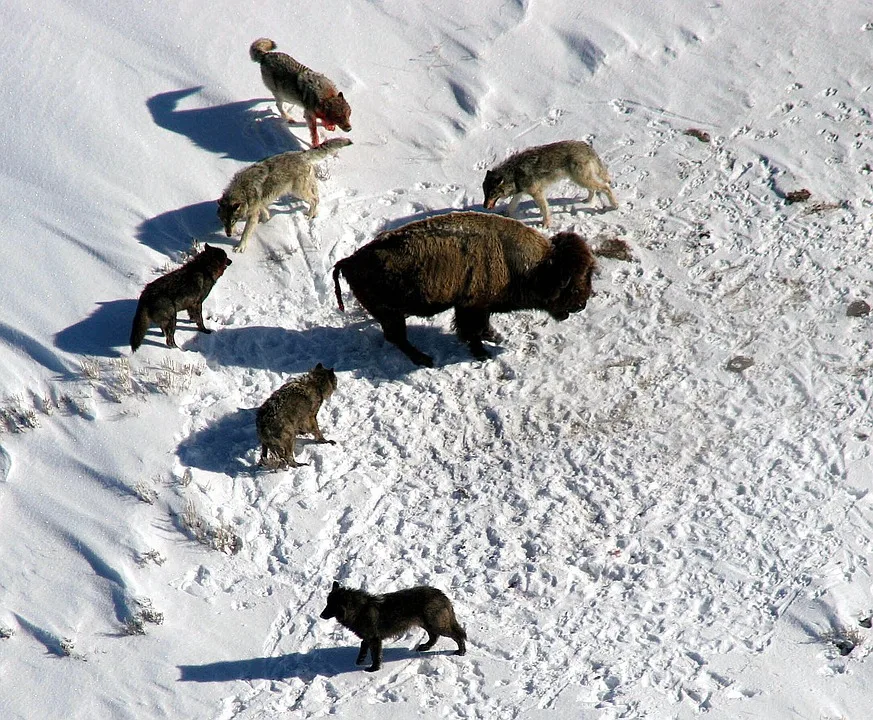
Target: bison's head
(564, 278)
(496, 186)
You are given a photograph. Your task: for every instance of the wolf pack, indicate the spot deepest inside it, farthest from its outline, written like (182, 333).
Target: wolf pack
(474, 263)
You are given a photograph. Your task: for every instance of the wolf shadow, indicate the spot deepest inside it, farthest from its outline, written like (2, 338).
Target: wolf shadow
(101, 333)
(235, 130)
(323, 662)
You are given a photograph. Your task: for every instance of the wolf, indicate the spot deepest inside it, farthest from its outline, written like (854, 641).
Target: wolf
(293, 82)
(292, 411)
(533, 170)
(477, 263)
(375, 618)
(184, 288)
(253, 188)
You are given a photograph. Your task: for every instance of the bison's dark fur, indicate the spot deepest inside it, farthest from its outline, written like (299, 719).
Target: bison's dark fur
(476, 263)
(375, 618)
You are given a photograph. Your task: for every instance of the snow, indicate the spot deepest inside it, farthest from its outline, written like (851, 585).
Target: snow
(626, 527)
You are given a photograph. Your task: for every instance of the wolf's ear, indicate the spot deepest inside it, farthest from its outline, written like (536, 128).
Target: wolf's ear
(319, 367)
(335, 585)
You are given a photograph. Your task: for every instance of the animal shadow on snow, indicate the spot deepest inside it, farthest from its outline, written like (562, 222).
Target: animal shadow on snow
(235, 130)
(323, 662)
(172, 232)
(220, 446)
(359, 346)
(101, 333)
(529, 213)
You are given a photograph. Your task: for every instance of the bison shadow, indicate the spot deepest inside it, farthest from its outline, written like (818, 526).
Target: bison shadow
(359, 347)
(101, 333)
(319, 662)
(234, 130)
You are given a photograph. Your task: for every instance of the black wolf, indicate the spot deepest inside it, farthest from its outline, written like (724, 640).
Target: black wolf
(375, 618)
(184, 288)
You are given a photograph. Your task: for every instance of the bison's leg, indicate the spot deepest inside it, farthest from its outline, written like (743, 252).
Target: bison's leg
(471, 324)
(394, 326)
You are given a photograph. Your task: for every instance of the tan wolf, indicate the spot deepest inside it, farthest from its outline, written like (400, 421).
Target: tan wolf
(291, 411)
(253, 188)
(375, 618)
(531, 171)
(293, 82)
(184, 288)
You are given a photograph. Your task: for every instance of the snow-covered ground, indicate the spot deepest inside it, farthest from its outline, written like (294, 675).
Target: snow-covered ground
(627, 527)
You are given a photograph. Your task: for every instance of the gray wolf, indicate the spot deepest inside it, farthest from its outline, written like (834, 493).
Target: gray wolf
(293, 82)
(375, 618)
(291, 411)
(184, 288)
(533, 170)
(253, 188)
(476, 263)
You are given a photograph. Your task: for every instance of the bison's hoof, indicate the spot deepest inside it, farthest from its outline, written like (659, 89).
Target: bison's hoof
(373, 668)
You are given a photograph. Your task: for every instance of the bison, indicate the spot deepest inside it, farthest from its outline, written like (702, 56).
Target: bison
(476, 263)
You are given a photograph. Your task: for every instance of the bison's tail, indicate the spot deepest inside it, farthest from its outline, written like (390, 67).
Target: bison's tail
(141, 322)
(337, 269)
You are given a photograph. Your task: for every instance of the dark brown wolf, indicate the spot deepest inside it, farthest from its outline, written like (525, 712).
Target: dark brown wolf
(184, 288)
(293, 82)
(476, 263)
(375, 618)
(291, 411)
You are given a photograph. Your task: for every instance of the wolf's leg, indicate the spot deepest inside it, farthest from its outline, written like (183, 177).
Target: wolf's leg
(169, 329)
(432, 637)
(313, 130)
(513, 205)
(362, 655)
(316, 432)
(264, 455)
(280, 106)
(195, 312)
(264, 214)
(251, 224)
(376, 654)
(543, 204)
(289, 451)
(459, 635)
(607, 190)
(309, 195)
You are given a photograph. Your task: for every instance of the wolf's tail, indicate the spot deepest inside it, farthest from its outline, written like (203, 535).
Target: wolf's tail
(141, 323)
(328, 147)
(337, 269)
(261, 47)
